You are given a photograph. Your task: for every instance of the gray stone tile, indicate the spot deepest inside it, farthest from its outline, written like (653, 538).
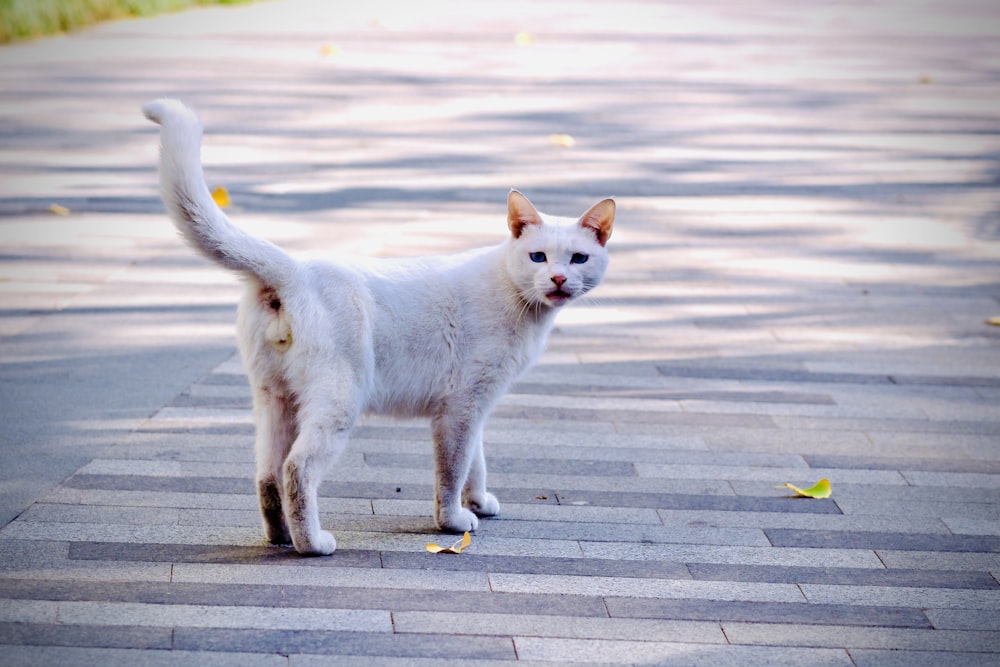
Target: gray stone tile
(527, 412)
(845, 576)
(516, 466)
(965, 526)
(860, 637)
(788, 441)
(908, 658)
(655, 588)
(32, 656)
(330, 576)
(447, 622)
(287, 642)
(13, 610)
(821, 539)
(605, 532)
(927, 598)
(668, 653)
(168, 499)
(695, 502)
(538, 565)
(768, 474)
(855, 523)
(228, 554)
(791, 376)
(60, 513)
(933, 442)
(89, 636)
(928, 508)
(768, 612)
(908, 463)
(209, 594)
(891, 425)
(204, 400)
(625, 424)
(128, 614)
(935, 560)
(697, 553)
(966, 480)
(126, 533)
(963, 619)
(228, 485)
(20, 554)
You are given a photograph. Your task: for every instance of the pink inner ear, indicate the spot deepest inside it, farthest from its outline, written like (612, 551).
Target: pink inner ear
(520, 212)
(600, 219)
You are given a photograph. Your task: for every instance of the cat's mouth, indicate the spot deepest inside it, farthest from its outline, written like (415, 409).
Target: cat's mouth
(558, 297)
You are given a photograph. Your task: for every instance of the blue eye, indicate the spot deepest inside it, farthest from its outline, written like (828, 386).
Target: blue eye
(537, 257)
(578, 258)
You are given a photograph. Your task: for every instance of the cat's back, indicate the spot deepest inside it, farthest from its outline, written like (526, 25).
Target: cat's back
(400, 292)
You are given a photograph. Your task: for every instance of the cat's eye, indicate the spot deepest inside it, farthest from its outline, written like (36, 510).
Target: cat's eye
(578, 258)
(537, 257)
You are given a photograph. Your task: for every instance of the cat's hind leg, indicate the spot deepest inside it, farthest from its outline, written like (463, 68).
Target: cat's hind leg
(475, 496)
(276, 430)
(325, 424)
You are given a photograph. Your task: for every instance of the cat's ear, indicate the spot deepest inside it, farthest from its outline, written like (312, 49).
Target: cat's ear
(600, 218)
(520, 213)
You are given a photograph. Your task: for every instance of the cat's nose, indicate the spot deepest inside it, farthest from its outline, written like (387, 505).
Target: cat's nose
(559, 280)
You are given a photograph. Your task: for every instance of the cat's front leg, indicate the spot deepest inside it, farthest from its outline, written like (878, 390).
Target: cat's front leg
(476, 497)
(453, 454)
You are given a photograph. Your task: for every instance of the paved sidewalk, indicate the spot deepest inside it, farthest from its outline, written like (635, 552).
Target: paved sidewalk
(808, 246)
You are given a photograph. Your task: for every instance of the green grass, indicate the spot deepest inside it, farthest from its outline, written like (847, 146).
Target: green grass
(28, 19)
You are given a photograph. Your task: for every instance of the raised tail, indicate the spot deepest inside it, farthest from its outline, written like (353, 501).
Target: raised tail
(193, 209)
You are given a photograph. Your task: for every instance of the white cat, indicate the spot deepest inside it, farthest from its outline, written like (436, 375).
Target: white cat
(324, 342)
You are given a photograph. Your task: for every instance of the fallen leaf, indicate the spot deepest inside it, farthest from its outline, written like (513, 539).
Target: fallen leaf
(820, 490)
(58, 210)
(564, 140)
(221, 197)
(524, 39)
(456, 548)
(994, 321)
(329, 50)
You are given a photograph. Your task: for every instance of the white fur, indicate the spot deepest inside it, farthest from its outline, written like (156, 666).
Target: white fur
(324, 342)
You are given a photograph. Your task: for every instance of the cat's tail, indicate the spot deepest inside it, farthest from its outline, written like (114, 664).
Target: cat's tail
(193, 209)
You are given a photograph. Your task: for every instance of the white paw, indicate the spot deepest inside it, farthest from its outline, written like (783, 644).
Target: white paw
(458, 521)
(484, 505)
(320, 544)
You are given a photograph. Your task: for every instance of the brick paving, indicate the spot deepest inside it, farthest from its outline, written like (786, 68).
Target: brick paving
(806, 252)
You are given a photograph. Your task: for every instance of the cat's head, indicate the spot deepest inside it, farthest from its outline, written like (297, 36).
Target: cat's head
(554, 260)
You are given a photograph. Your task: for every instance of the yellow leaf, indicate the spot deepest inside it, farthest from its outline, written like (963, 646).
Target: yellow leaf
(221, 197)
(524, 39)
(456, 548)
(329, 50)
(994, 321)
(821, 490)
(564, 140)
(58, 210)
